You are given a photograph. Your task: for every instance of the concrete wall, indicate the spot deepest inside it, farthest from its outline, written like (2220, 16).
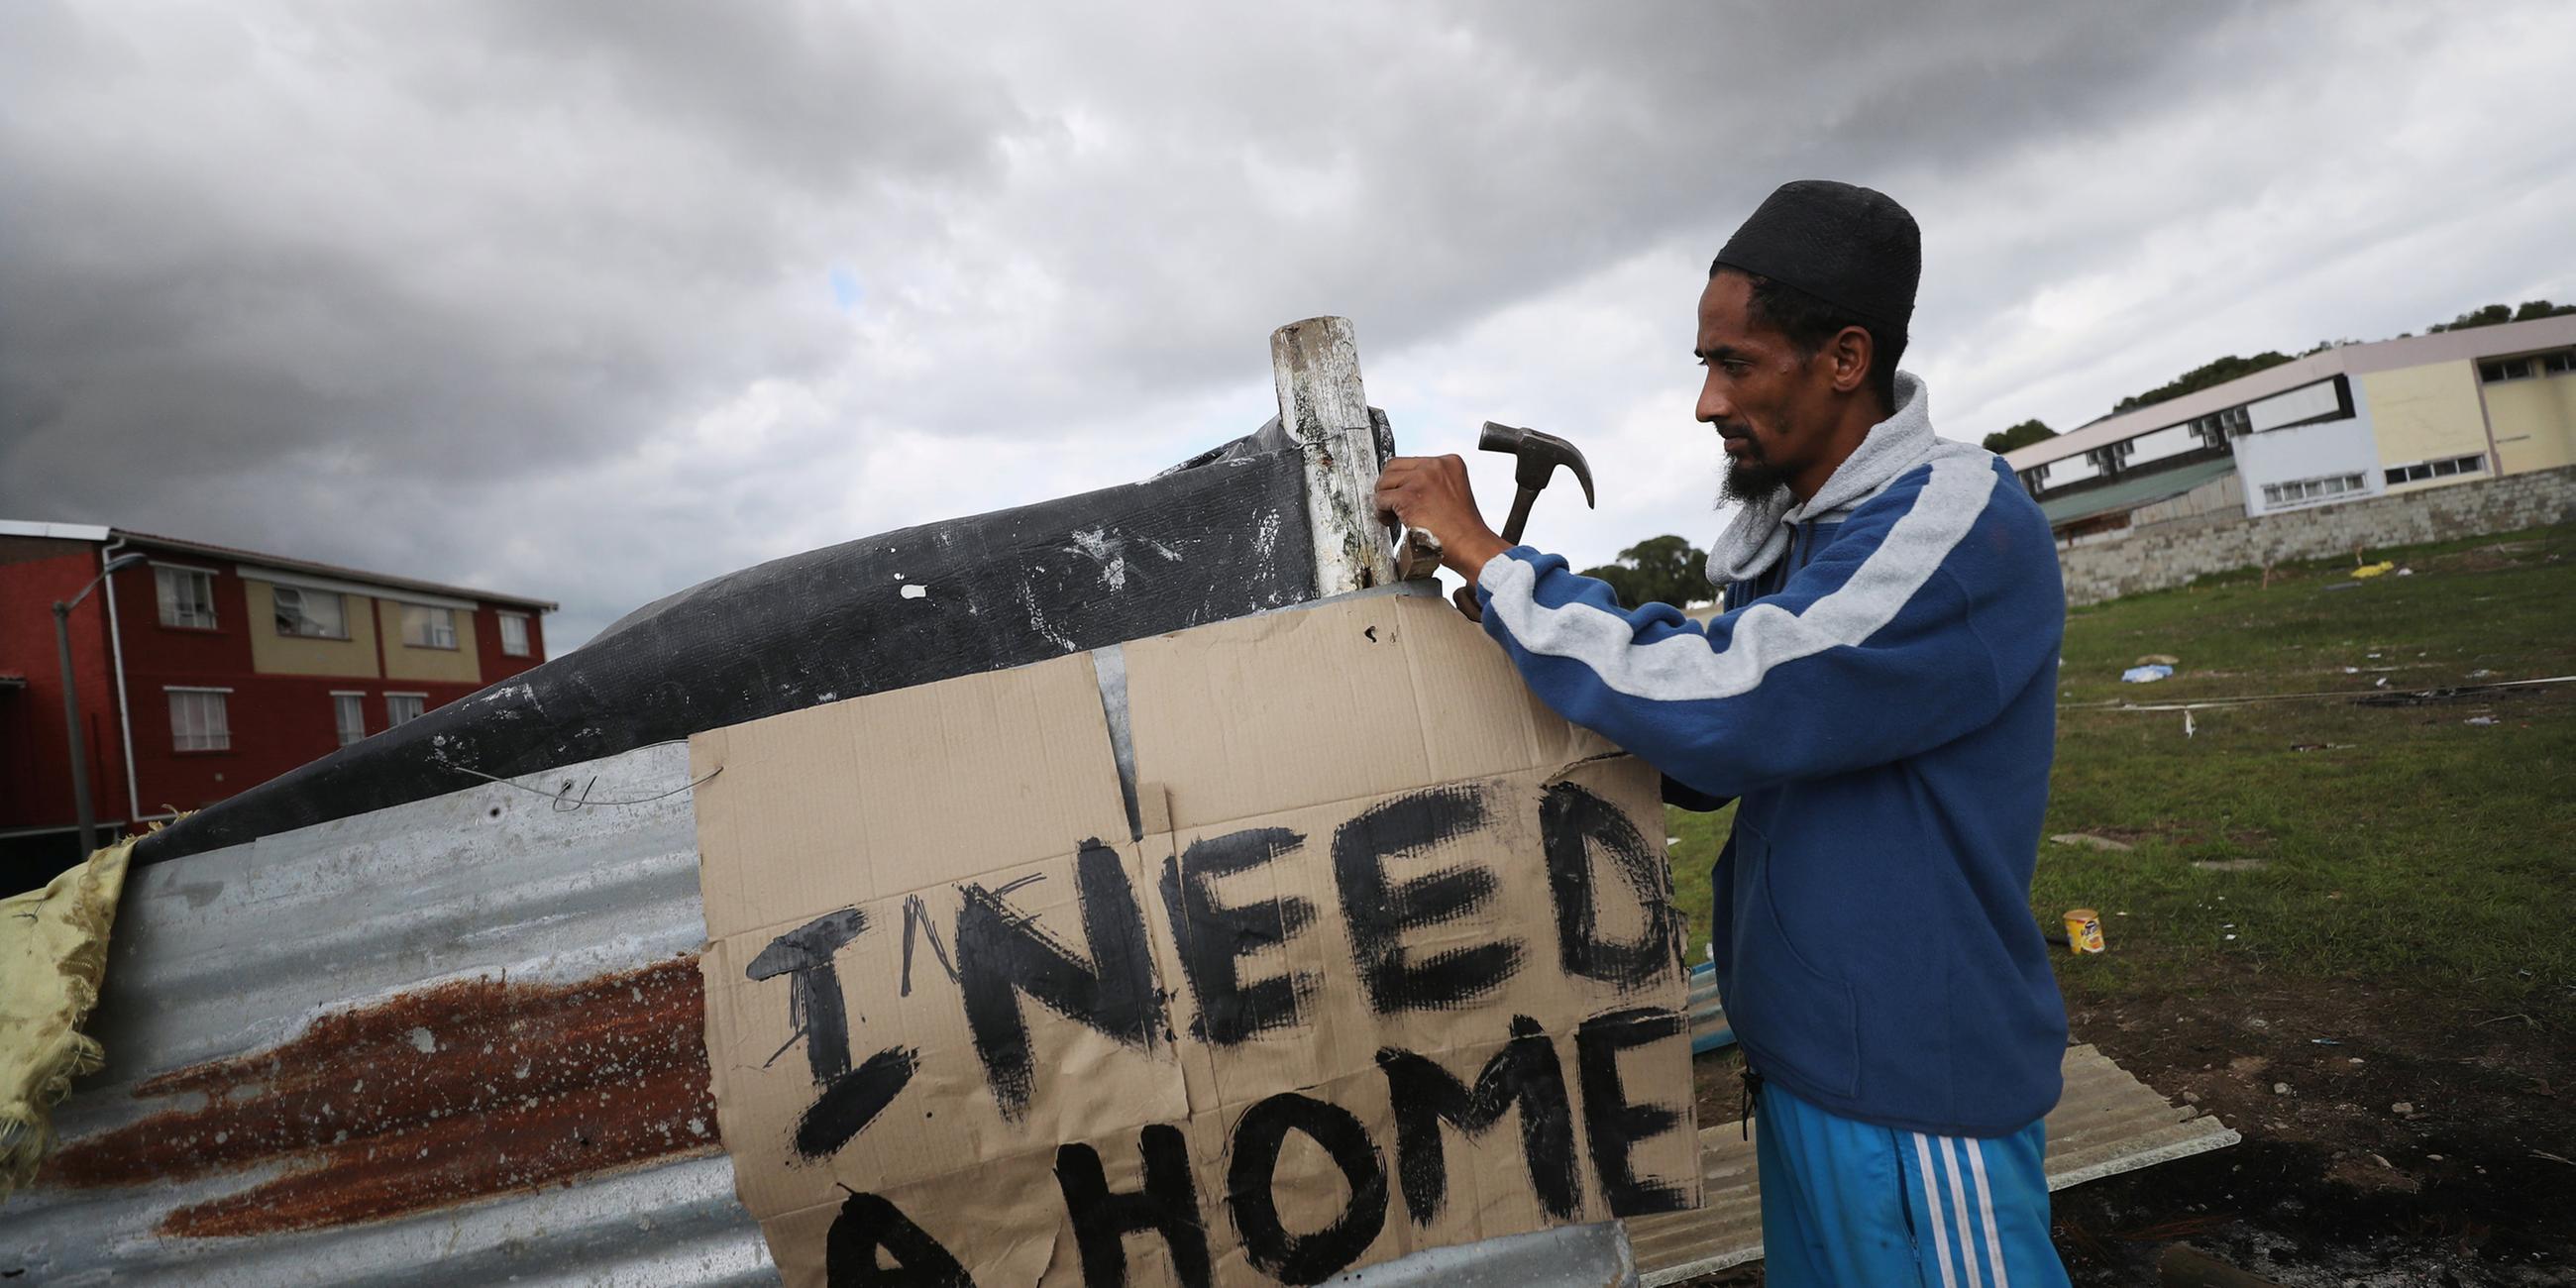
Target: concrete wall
(2426, 413)
(275, 653)
(2170, 554)
(2323, 450)
(403, 661)
(2534, 421)
(2224, 494)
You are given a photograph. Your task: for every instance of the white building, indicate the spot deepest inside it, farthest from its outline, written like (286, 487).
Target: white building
(2360, 421)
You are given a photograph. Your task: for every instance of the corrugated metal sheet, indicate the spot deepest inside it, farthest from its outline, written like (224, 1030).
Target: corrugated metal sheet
(2143, 488)
(463, 1033)
(2106, 1123)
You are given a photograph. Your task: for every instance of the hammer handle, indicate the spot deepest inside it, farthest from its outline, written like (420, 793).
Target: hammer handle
(1520, 515)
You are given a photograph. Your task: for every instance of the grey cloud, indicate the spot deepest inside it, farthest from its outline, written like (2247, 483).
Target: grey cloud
(540, 294)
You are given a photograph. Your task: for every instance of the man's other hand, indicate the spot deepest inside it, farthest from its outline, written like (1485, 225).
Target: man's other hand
(1431, 492)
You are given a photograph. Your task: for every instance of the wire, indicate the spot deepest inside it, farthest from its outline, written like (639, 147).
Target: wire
(564, 801)
(2347, 694)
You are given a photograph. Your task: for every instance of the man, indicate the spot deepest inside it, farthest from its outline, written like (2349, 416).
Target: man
(1879, 700)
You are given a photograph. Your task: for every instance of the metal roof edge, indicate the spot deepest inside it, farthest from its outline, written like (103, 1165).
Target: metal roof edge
(57, 531)
(360, 575)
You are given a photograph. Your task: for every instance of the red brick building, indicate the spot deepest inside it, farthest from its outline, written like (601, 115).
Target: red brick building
(206, 670)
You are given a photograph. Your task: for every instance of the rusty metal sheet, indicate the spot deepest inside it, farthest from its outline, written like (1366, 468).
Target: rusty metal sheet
(463, 1033)
(445, 1032)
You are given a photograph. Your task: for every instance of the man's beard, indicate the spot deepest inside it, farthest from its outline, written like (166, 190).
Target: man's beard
(1750, 477)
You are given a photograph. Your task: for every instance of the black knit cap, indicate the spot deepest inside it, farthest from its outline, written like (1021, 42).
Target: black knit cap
(1850, 246)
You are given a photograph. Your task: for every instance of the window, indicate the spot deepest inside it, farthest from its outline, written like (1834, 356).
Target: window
(2109, 459)
(2505, 369)
(514, 634)
(2474, 464)
(426, 627)
(198, 721)
(2294, 493)
(2217, 427)
(321, 614)
(2559, 364)
(187, 597)
(349, 711)
(403, 708)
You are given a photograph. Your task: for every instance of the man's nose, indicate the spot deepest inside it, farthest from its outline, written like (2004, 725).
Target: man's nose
(1714, 405)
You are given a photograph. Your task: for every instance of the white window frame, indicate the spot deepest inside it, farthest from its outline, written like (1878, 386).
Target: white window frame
(431, 635)
(166, 576)
(520, 621)
(196, 731)
(303, 597)
(346, 703)
(394, 719)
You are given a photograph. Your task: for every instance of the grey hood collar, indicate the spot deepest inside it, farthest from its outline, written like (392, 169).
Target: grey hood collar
(1758, 535)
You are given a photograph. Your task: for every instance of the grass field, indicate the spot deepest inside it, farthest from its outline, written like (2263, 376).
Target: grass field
(2319, 838)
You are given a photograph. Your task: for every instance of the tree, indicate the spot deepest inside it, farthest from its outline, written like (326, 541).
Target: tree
(2021, 435)
(1664, 569)
(2215, 372)
(2489, 316)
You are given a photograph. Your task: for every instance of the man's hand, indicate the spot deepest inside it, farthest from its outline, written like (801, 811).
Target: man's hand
(1431, 492)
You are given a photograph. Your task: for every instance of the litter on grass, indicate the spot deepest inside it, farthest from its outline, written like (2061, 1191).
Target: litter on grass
(2145, 674)
(2380, 569)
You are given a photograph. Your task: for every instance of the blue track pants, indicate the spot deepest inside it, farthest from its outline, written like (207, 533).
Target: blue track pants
(1848, 1204)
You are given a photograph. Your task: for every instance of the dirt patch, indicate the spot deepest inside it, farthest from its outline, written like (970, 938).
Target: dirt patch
(2389, 1139)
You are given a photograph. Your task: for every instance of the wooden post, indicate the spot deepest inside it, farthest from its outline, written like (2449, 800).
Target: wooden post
(1316, 366)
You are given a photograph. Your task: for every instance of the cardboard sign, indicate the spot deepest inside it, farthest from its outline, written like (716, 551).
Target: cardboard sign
(1381, 957)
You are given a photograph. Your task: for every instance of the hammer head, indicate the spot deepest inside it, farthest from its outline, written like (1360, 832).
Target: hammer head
(1538, 454)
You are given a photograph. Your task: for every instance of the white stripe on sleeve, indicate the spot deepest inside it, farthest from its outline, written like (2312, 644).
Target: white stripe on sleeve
(1986, 1201)
(1932, 1207)
(1683, 668)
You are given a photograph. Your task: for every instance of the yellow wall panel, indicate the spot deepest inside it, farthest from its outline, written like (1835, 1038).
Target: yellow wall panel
(2426, 413)
(2535, 422)
(275, 654)
(457, 665)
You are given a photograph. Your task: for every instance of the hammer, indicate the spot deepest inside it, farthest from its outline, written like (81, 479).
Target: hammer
(1537, 455)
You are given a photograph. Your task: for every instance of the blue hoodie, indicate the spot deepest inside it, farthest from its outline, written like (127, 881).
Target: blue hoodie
(1879, 697)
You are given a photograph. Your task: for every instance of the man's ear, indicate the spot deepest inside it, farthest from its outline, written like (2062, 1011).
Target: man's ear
(1851, 351)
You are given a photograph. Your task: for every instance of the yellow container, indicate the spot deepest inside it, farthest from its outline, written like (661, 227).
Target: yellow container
(2084, 930)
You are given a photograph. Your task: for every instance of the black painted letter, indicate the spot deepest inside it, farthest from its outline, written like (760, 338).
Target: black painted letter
(1001, 954)
(814, 1007)
(1380, 911)
(1613, 1126)
(1167, 1205)
(1524, 1072)
(868, 1224)
(1215, 937)
(1572, 821)
(1258, 1137)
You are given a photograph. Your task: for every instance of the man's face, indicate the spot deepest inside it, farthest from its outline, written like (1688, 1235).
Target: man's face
(1768, 402)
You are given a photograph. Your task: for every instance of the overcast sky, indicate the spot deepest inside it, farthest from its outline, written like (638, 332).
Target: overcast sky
(594, 301)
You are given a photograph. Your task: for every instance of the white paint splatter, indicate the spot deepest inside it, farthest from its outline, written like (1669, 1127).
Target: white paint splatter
(1038, 621)
(1266, 535)
(1107, 551)
(423, 1041)
(1159, 548)
(916, 592)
